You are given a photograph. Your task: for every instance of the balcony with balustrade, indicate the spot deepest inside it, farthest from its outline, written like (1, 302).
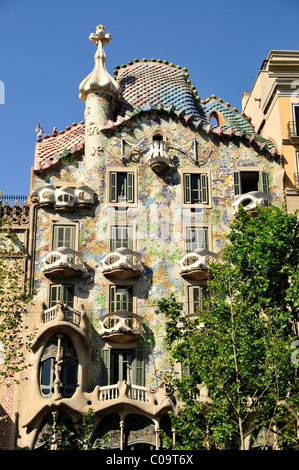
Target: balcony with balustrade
(194, 265)
(158, 158)
(122, 264)
(250, 201)
(65, 197)
(62, 312)
(63, 262)
(121, 327)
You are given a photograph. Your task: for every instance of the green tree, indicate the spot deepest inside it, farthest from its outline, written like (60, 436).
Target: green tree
(240, 346)
(62, 433)
(14, 297)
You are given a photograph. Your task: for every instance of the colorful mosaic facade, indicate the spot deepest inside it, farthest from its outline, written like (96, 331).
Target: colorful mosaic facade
(143, 171)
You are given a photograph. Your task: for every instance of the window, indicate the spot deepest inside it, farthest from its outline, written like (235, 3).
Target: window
(121, 236)
(196, 237)
(119, 365)
(121, 298)
(61, 293)
(64, 235)
(296, 119)
(59, 364)
(197, 296)
(121, 187)
(248, 180)
(196, 188)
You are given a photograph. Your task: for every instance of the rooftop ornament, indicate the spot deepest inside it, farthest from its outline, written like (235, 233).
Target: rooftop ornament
(99, 79)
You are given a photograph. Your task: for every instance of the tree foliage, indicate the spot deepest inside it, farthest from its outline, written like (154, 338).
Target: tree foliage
(62, 433)
(14, 298)
(240, 346)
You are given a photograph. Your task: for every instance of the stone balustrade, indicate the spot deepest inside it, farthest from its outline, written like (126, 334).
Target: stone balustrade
(121, 326)
(64, 262)
(62, 312)
(158, 158)
(251, 200)
(122, 264)
(194, 264)
(64, 197)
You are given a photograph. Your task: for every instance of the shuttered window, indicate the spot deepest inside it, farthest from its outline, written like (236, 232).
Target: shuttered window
(121, 236)
(197, 295)
(196, 188)
(247, 181)
(121, 186)
(196, 237)
(119, 365)
(121, 298)
(64, 235)
(63, 293)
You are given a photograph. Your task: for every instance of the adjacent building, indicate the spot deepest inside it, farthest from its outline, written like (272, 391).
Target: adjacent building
(273, 104)
(128, 206)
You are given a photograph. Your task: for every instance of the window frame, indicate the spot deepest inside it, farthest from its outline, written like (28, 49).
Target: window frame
(115, 171)
(263, 179)
(131, 227)
(52, 285)
(195, 226)
(137, 365)
(190, 298)
(195, 171)
(113, 287)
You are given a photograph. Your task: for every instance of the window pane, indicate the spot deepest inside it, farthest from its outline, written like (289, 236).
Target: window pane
(46, 372)
(64, 235)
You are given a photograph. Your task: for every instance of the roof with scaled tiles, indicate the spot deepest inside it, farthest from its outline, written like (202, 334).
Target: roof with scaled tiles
(154, 85)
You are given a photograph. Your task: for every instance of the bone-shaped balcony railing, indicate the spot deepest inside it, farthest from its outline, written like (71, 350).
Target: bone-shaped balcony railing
(157, 155)
(64, 197)
(121, 326)
(122, 263)
(251, 200)
(63, 259)
(196, 262)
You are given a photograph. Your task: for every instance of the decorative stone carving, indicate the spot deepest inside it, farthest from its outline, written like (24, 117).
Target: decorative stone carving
(122, 264)
(17, 215)
(63, 262)
(194, 264)
(121, 326)
(251, 200)
(99, 79)
(158, 159)
(65, 197)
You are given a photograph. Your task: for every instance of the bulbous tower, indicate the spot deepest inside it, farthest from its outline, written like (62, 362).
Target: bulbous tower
(100, 92)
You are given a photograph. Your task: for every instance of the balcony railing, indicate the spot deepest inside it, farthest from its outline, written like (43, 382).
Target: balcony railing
(64, 198)
(195, 264)
(293, 131)
(62, 312)
(158, 159)
(115, 391)
(250, 201)
(63, 262)
(122, 264)
(121, 326)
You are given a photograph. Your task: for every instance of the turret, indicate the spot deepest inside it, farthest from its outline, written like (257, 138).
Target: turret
(100, 92)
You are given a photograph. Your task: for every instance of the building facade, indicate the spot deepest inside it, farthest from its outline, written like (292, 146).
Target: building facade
(273, 104)
(128, 206)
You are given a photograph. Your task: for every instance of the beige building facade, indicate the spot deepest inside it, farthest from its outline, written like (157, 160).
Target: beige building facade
(273, 105)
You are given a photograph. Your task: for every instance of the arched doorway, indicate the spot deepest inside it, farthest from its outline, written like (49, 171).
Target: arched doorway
(108, 432)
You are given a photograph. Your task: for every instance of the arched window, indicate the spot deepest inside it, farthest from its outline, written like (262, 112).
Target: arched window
(58, 368)
(214, 119)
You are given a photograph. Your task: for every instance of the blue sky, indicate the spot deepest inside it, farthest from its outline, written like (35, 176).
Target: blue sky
(45, 53)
